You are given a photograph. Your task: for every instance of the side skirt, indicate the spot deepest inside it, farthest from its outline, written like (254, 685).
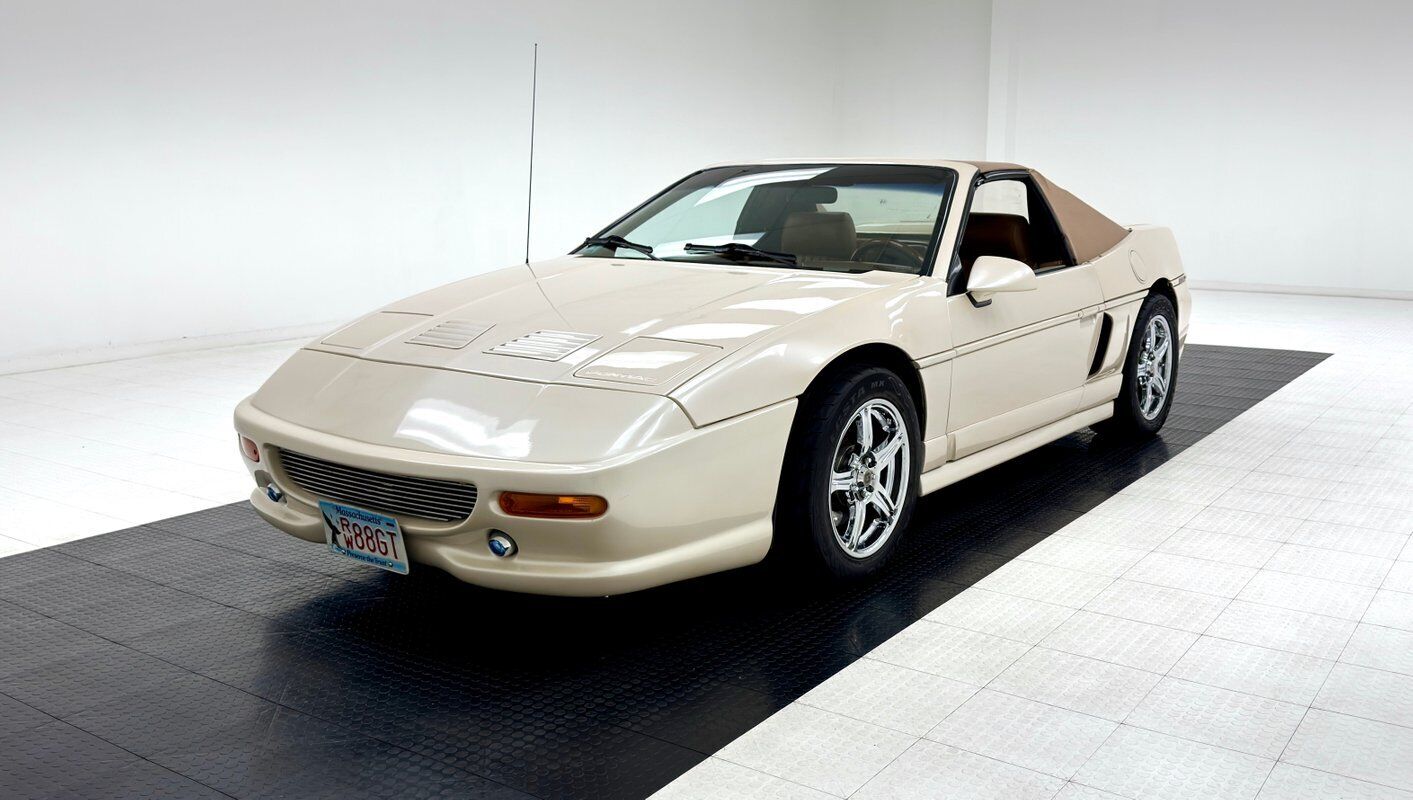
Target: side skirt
(962, 468)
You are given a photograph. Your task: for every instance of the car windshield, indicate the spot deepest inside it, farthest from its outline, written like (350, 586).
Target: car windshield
(840, 218)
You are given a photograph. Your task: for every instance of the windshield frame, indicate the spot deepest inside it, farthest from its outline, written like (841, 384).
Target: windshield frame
(929, 265)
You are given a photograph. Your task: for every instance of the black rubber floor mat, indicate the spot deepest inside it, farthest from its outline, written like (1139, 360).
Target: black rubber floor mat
(211, 655)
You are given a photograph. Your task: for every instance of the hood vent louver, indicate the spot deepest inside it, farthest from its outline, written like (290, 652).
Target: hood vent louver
(544, 345)
(453, 334)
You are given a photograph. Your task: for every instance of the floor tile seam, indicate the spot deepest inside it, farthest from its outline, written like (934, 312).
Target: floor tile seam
(12, 698)
(1323, 682)
(11, 488)
(107, 417)
(1016, 696)
(1029, 649)
(1168, 672)
(1297, 610)
(194, 354)
(1340, 775)
(1360, 622)
(1334, 484)
(729, 760)
(136, 452)
(1342, 713)
(998, 759)
(1097, 613)
(919, 739)
(869, 654)
(91, 472)
(1408, 470)
(108, 395)
(1142, 727)
(1197, 681)
(805, 701)
(79, 436)
(749, 768)
(1382, 580)
(275, 702)
(112, 743)
(153, 656)
(1099, 789)
(86, 369)
(178, 533)
(148, 580)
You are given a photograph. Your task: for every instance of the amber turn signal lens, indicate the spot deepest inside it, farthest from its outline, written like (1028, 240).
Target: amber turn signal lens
(250, 448)
(524, 504)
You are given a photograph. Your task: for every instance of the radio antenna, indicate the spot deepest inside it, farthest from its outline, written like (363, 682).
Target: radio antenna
(530, 188)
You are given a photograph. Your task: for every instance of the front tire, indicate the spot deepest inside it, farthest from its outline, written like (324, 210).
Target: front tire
(1150, 372)
(850, 479)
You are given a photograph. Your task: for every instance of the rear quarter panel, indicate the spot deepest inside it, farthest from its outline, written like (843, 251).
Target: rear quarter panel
(1126, 275)
(1148, 253)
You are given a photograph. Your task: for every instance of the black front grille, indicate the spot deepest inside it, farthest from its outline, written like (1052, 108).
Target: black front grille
(427, 498)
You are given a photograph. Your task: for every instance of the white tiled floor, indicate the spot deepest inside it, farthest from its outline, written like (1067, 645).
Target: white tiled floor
(91, 449)
(1237, 624)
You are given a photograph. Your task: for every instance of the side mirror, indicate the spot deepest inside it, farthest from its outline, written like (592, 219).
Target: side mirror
(992, 274)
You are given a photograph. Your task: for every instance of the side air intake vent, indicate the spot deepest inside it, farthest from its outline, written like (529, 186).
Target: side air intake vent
(1101, 348)
(453, 334)
(544, 345)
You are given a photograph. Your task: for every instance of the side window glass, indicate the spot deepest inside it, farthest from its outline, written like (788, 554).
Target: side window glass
(1001, 197)
(1010, 218)
(999, 223)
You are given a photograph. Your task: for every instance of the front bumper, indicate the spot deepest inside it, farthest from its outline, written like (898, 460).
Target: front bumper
(697, 503)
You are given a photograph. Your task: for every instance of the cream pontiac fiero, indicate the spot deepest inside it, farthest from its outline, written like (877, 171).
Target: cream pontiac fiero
(769, 356)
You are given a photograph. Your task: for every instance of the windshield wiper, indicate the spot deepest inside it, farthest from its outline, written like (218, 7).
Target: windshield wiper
(742, 251)
(615, 241)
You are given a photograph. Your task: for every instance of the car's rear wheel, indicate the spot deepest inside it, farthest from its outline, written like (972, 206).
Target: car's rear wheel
(1150, 372)
(850, 477)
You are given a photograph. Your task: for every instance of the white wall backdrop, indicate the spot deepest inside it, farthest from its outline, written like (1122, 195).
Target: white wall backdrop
(1274, 136)
(177, 169)
(174, 169)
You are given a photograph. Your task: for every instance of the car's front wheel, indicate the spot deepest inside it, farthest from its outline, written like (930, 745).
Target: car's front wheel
(850, 475)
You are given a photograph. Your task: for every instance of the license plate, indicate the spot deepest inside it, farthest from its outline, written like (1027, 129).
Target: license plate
(365, 536)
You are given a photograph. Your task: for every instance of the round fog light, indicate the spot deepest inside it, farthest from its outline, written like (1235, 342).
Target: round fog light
(502, 546)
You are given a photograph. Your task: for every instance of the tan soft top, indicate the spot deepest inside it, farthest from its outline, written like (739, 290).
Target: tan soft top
(1090, 233)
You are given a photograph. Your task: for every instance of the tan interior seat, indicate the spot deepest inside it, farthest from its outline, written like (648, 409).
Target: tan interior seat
(820, 234)
(988, 234)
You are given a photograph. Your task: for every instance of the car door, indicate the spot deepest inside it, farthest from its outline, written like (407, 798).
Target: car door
(1023, 358)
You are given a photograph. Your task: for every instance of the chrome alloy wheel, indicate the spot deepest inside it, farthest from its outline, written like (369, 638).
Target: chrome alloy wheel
(868, 481)
(1155, 367)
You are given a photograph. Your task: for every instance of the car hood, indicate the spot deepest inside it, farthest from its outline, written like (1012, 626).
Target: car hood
(625, 324)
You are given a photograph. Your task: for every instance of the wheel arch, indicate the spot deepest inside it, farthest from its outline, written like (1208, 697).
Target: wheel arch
(1164, 287)
(875, 354)
(793, 528)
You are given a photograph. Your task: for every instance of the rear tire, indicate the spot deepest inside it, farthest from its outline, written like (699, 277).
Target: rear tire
(850, 477)
(1150, 373)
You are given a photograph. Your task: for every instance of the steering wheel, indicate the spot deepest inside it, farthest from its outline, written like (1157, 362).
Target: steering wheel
(874, 249)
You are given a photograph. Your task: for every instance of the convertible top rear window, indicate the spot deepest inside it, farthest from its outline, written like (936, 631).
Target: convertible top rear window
(842, 218)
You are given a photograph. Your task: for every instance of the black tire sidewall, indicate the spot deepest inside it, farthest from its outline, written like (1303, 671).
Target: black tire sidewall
(814, 454)
(1127, 408)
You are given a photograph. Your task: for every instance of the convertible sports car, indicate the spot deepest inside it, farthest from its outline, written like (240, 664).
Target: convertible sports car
(764, 357)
